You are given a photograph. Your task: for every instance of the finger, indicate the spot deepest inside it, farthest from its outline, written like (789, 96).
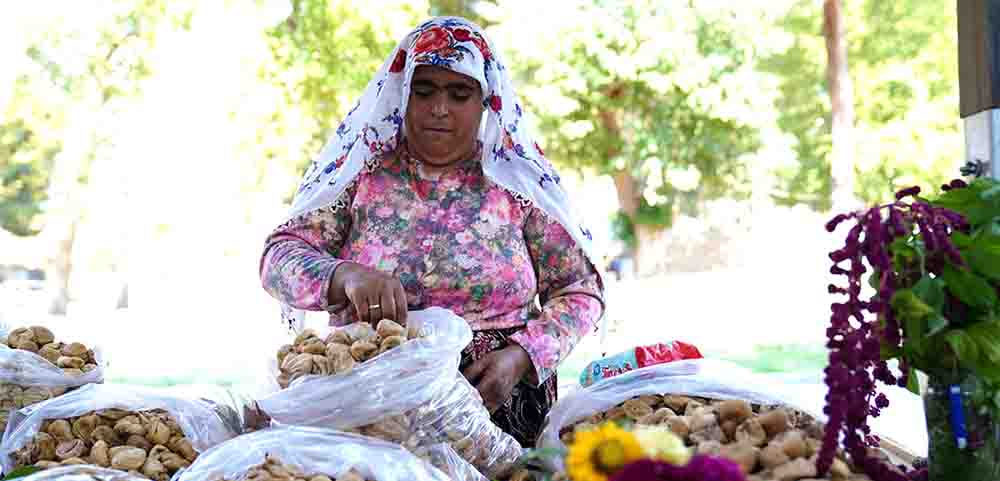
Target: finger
(473, 372)
(491, 388)
(357, 301)
(388, 303)
(399, 296)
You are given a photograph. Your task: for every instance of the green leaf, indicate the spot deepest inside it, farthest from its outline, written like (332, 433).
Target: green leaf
(936, 324)
(986, 335)
(22, 472)
(983, 256)
(913, 382)
(931, 291)
(969, 288)
(964, 347)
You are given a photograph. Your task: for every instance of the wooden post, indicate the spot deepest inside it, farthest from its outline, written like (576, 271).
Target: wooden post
(979, 84)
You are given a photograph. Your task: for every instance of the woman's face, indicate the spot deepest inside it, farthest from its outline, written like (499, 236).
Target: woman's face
(443, 114)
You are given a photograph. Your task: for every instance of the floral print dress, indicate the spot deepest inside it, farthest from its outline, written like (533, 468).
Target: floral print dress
(459, 242)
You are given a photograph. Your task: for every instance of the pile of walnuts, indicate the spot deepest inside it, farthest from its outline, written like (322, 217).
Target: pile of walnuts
(146, 443)
(275, 470)
(342, 349)
(770, 443)
(74, 358)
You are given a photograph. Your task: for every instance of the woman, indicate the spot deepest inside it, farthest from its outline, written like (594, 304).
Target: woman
(432, 193)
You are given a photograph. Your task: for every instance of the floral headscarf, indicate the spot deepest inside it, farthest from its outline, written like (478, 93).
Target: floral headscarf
(374, 127)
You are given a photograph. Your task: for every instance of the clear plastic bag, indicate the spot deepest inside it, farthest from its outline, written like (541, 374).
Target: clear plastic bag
(82, 473)
(412, 395)
(698, 377)
(27, 378)
(444, 457)
(198, 419)
(314, 451)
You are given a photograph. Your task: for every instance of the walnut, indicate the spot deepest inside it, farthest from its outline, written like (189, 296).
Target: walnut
(128, 458)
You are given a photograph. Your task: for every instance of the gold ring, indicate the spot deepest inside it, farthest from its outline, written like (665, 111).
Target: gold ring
(374, 306)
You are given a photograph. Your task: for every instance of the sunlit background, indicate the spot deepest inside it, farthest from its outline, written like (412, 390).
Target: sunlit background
(148, 147)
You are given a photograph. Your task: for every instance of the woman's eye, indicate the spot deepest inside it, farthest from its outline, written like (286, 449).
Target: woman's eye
(460, 96)
(423, 92)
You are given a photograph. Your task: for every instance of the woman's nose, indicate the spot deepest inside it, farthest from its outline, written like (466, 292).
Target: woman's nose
(439, 109)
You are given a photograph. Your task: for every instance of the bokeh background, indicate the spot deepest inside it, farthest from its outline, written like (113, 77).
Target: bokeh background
(148, 147)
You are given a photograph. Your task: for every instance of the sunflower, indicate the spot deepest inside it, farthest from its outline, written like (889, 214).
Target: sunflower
(598, 453)
(659, 442)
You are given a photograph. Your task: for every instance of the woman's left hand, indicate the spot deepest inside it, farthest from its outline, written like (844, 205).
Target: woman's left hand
(496, 374)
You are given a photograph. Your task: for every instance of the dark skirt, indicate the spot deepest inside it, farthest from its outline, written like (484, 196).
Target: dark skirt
(523, 415)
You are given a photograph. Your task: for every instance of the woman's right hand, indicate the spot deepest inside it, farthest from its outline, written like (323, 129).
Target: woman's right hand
(374, 295)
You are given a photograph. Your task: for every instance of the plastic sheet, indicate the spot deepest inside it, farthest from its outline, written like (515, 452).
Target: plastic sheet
(315, 452)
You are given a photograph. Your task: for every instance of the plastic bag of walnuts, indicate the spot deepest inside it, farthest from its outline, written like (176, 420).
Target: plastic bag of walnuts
(82, 472)
(34, 367)
(291, 453)
(716, 407)
(411, 395)
(142, 431)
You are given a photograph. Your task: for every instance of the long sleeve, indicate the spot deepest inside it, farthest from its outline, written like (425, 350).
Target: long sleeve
(299, 257)
(570, 292)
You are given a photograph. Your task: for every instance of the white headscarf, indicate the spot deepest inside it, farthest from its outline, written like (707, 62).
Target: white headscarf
(374, 127)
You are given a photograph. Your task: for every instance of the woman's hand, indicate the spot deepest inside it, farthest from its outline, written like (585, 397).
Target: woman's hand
(374, 295)
(496, 374)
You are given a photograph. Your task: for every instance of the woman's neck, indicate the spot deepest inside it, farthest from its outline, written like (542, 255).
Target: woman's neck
(434, 171)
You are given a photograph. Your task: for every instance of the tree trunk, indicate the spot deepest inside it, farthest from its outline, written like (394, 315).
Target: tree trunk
(644, 254)
(841, 106)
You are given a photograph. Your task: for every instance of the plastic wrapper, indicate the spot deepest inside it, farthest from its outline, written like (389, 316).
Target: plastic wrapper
(637, 358)
(27, 378)
(444, 457)
(197, 419)
(313, 451)
(82, 473)
(699, 377)
(412, 395)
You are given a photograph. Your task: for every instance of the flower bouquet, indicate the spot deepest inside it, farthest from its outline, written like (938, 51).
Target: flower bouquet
(933, 267)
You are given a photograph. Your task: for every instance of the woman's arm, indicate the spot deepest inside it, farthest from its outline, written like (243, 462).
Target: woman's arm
(570, 292)
(298, 263)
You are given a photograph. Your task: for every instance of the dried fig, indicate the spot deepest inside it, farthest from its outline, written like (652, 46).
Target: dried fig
(50, 354)
(181, 445)
(387, 328)
(73, 461)
(304, 336)
(17, 335)
(284, 351)
(45, 447)
(711, 448)
(334, 349)
(152, 468)
(751, 432)
(737, 410)
(69, 371)
(130, 425)
(139, 442)
(99, 454)
(636, 409)
(362, 351)
(794, 470)
(313, 346)
(679, 425)
(157, 432)
(173, 461)
(772, 456)
(42, 335)
(351, 475)
(298, 364)
(84, 426)
(70, 449)
(75, 349)
(774, 421)
(343, 362)
(390, 343)
(61, 430)
(322, 365)
(413, 331)
(27, 345)
(617, 412)
(677, 403)
(359, 331)
(106, 434)
(128, 458)
(339, 336)
(114, 414)
(792, 443)
(743, 454)
(388, 429)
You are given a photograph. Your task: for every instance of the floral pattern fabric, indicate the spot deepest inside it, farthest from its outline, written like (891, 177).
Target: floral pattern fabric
(459, 242)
